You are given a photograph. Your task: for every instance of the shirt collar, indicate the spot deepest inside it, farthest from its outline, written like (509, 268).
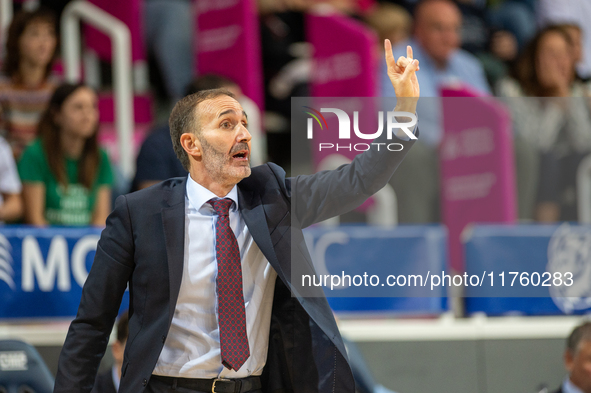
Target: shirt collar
(199, 195)
(569, 387)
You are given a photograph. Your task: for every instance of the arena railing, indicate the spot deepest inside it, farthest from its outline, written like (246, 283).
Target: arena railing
(83, 11)
(5, 19)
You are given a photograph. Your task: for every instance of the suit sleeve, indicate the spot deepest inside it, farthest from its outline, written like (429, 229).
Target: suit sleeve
(103, 290)
(327, 194)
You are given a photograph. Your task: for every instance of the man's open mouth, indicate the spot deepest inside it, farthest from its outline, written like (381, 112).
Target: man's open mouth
(241, 155)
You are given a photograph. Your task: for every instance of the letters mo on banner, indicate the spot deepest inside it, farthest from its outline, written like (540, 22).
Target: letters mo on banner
(42, 271)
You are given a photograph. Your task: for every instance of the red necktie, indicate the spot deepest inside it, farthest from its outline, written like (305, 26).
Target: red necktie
(231, 312)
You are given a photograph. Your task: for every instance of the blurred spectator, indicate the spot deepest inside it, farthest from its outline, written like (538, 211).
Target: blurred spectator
(108, 382)
(390, 21)
(504, 46)
(157, 161)
(492, 25)
(500, 55)
(577, 12)
(514, 16)
(436, 41)
(546, 68)
(576, 36)
(66, 177)
(552, 130)
(436, 44)
(494, 47)
(27, 85)
(577, 360)
(11, 206)
(169, 30)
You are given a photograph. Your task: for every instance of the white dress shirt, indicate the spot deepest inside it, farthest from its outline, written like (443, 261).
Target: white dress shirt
(192, 347)
(569, 387)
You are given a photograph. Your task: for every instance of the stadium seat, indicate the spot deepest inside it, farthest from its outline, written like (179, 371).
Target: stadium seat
(22, 370)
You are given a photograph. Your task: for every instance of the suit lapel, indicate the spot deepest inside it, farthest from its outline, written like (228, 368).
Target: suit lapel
(251, 207)
(173, 222)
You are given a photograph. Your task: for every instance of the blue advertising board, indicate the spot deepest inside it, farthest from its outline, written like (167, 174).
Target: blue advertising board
(42, 270)
(359, 250)
(534, 258)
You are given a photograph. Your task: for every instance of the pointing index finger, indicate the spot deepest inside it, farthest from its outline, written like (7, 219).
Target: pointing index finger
(409, 51)
(389, 55)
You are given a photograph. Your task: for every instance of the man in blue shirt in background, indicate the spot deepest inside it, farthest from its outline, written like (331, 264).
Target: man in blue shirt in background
(436, 41)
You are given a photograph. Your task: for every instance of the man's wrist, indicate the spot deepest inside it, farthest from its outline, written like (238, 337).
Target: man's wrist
(406, 104)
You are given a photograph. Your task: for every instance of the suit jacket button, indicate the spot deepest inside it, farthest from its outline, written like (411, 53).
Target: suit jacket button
(163, 339)
(145, 382)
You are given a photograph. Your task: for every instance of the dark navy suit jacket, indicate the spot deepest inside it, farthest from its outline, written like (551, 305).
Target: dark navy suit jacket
(142, 246)
(104, 383)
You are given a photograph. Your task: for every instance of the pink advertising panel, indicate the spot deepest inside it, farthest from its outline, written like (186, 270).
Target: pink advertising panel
(129, 12)
(345, 56)
(477, 166)
(345, 67)
(228, 44)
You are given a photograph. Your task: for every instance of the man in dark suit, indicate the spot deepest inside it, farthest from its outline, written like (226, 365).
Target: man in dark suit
(577, 360)
(209, 261)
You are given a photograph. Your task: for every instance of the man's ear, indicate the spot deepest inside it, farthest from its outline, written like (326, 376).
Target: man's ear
(191, 144)
(569, 360)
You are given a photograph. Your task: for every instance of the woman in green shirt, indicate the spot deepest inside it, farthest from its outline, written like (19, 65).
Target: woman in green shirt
(66, 177)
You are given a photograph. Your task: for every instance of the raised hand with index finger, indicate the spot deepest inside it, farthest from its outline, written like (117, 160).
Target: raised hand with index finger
(402, 72)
